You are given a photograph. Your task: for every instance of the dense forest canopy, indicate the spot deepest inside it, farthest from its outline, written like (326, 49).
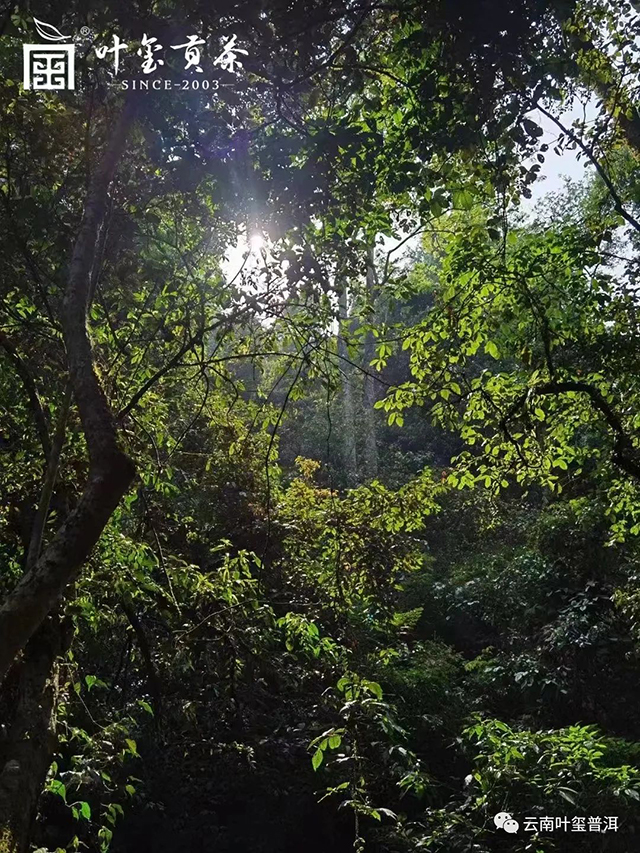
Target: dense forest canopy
(319, 445)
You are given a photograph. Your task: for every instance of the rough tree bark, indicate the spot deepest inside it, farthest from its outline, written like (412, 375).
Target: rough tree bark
(110, 469)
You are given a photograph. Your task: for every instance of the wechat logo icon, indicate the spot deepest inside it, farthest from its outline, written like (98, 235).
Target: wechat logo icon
(503, 820)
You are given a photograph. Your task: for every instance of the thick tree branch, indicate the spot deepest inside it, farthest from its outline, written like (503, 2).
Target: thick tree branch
(110, 469)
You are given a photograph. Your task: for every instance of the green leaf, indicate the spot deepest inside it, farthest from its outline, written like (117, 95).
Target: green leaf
(146, 706)
(375, 688)
(492, 349)
(105, 835)
(388, 813)
(58, 787)
(569, 795)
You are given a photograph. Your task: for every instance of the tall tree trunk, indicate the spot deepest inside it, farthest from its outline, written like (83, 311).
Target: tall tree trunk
(369, 385)
(110, 469)
(349, 454)
(28, 704)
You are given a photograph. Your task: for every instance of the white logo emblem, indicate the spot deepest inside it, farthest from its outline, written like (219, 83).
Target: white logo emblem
(48, 66)
(503, 820)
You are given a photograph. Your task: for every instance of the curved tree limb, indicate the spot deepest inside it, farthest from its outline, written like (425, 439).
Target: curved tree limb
(622, 447)
(110, 469)
(615, 197)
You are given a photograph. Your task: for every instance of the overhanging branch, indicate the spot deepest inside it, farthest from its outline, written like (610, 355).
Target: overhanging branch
(622, 448)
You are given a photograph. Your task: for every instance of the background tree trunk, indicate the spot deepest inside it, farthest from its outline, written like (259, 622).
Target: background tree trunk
(348, 442)
(369, 385)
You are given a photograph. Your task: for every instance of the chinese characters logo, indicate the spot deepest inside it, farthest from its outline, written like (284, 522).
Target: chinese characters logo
(48, 66)
(503, 820)
(52, 66)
